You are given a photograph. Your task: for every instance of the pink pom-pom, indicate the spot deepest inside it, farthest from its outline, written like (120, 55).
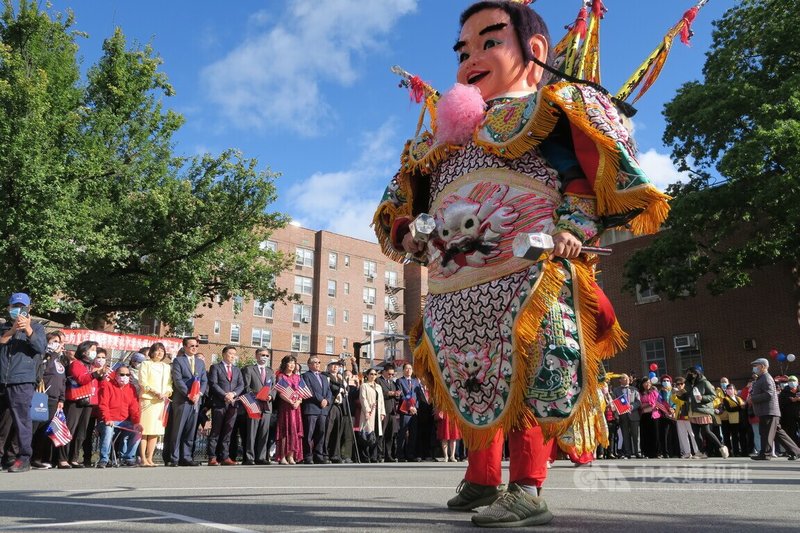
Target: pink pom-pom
(458, 114)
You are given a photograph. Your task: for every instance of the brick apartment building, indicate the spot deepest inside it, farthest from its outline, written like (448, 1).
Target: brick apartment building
(721, 333)
(348, 289)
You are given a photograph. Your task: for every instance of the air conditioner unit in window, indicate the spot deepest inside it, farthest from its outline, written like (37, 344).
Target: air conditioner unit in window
(304, 320)
(369, 306)
(749, 344)
(685, 342)
(370, 277)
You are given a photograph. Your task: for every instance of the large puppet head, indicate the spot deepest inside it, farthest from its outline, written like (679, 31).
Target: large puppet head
(496, 47)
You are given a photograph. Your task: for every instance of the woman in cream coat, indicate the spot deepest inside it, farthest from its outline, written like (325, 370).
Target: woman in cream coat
(155, 381)
(373, 412)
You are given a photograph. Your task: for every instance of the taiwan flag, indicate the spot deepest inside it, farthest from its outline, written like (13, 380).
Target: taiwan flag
(194, 389)
(621, 405)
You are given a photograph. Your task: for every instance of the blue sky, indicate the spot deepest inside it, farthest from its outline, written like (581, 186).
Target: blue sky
(304, 86)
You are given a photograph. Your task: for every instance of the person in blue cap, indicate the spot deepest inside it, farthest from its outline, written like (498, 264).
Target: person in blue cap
(22, 343)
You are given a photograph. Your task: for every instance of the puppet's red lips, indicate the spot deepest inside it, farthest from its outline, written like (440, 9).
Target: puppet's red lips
(472, 80)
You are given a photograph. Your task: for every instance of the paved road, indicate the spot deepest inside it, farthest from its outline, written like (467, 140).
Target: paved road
(662, 496)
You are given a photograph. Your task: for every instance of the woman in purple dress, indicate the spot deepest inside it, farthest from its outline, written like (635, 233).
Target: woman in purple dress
(289, 436)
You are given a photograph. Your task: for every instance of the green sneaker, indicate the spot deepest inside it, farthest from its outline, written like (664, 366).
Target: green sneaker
(514, 508)
(471, 495)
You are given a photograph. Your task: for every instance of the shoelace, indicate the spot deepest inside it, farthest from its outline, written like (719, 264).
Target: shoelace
(461, 486)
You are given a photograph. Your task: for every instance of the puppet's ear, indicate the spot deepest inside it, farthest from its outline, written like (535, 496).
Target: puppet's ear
(539, 47)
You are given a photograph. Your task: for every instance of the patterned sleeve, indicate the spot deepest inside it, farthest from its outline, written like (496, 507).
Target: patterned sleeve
(577, 212)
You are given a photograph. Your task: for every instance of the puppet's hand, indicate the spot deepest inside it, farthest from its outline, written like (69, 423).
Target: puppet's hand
(411, 246)
(566, 245)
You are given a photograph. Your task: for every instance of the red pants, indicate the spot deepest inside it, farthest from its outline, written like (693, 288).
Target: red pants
(582, 459)
(528, 455)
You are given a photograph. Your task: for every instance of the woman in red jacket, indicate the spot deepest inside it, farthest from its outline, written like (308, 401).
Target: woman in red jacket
(81, 397)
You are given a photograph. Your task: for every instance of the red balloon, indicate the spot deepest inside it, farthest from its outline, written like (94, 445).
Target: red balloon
(654, 367)
(773, 353)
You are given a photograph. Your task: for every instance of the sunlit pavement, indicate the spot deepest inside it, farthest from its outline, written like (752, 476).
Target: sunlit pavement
(660, 495)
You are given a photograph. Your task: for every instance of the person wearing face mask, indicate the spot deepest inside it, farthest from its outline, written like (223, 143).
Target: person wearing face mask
(22, 343)
(789, 403)
(119, 412)
(100, 364)
(733, 428)
(54, 378)
(81, 396)
(764, 399)
(259, 379)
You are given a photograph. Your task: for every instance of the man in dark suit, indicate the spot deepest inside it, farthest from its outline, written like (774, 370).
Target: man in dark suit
(335, 425)
(315, 413)
(391, 395)
(411, 397)
(629, 422)
(257, 377)
(186, 368)
(226, 384)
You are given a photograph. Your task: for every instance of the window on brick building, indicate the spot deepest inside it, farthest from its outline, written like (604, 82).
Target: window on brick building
(264, 309)
(261, 337)
(344, 343)
(235, 330)
(333, 260)
(331, 316)
(303, 285)
(345, 316)
(370, 269)
(653, 351)
(368, 322)
(269, 245)
(346, 288)
(304, 257)
(329, 344)
(301, 313)
(217, 327)
(390, 278)
(347, 260)
(300, 342)
(238, 304)
(646, 295)
(369, 295)
(332, 288)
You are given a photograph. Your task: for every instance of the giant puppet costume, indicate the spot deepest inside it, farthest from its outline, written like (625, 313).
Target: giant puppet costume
(511, 347)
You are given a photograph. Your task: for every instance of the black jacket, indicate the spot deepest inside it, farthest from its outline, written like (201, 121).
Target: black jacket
(21, 356)
(54, 376)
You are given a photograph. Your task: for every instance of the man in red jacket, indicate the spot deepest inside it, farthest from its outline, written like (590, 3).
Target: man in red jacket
(119, 410)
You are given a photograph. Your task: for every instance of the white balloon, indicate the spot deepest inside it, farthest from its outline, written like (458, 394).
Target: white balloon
(790, 357)
(654, 380)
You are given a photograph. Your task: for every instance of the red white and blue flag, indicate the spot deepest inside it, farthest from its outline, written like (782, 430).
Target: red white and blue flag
(621, 405)
(58, 430)
(292, 394)
(251, 406)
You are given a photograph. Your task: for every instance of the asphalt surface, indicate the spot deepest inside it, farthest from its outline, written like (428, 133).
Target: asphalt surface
(659, 495)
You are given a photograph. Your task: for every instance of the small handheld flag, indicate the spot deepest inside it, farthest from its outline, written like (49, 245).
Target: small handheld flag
(263, 394)
(303, 390)
(621, 405)
(165, 413)
(251, 406)
(58, 430)
(194, 389)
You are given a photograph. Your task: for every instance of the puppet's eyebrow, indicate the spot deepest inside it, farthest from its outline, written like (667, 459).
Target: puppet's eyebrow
(484, 31)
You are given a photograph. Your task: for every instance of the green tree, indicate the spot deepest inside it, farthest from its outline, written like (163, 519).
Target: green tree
(104, 219)
(738, 132)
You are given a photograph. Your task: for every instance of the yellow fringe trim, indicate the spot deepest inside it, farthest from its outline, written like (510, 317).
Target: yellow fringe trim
(516, 414)
(386, 213)
(609, 199)
(587, 420)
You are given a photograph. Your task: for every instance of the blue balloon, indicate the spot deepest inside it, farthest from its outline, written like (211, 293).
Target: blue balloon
(652, 374)
(781, 357)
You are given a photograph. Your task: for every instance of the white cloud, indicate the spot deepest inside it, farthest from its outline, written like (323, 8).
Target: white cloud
(344, 201)
(659, 169)
(274, 76)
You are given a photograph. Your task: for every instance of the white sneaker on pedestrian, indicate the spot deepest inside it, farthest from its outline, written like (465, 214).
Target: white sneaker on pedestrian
(724, 452)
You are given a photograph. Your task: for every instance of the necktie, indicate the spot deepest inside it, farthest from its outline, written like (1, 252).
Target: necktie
(230, 372)
(191, 364)
(319, 378)
(263, 374)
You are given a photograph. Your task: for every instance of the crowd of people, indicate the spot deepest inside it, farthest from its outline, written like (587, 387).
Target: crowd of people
(690, 418)
(248, 414)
